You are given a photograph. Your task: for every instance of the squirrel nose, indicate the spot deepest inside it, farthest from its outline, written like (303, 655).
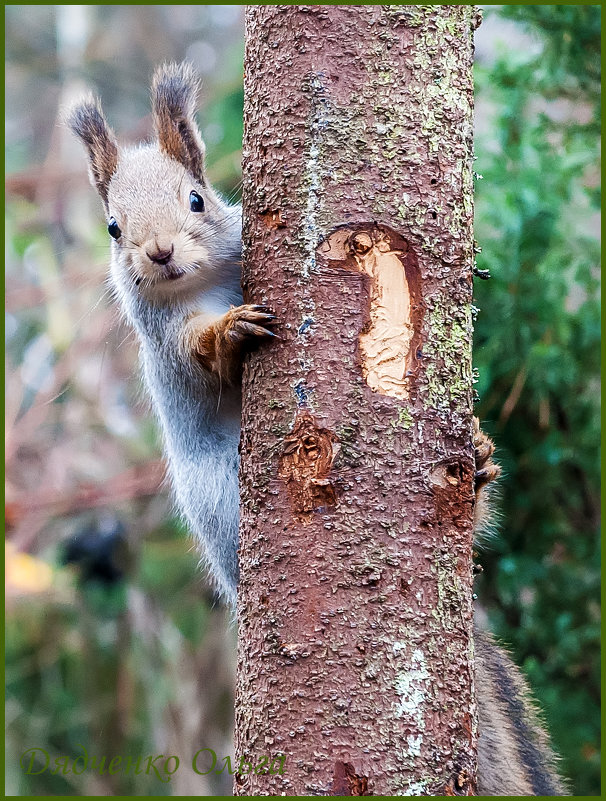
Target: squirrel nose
(161, 256)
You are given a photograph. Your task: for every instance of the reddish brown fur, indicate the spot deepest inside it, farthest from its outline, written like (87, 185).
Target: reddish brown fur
(174, 91)
(217, 345)
(87, 121)
(486, 471)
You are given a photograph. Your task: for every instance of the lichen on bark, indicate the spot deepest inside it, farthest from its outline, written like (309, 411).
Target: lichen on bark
(355, 599)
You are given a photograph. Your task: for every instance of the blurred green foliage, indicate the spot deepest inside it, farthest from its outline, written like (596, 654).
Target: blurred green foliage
(107, 667)
(537, 349)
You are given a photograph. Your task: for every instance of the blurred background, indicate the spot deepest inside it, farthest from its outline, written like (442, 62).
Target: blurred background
(114, 642)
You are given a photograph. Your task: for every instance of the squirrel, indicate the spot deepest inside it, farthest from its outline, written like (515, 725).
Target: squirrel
(175, 269)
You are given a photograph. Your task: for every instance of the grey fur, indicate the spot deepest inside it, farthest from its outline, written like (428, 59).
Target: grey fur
(201, 432)
(514, 756)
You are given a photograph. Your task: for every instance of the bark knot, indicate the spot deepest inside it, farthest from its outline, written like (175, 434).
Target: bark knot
(445, 480)
(305, 465)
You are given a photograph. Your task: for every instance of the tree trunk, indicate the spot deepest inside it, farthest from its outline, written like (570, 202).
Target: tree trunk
(355, 619)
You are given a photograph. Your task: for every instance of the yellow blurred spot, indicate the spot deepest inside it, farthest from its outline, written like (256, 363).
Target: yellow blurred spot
(25, 573)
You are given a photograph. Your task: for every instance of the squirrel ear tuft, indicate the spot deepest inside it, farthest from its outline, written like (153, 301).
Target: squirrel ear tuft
(86, 120)
(173, 94)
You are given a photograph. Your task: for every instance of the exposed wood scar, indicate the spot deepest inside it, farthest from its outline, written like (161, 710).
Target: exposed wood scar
(388, 342)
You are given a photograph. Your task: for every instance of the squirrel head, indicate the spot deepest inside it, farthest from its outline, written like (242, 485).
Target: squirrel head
(170, 230)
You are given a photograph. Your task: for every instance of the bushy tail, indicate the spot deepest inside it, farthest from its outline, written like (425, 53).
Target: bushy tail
(514, 754)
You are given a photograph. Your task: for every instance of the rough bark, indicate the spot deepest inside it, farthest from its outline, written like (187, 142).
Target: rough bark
(355, 648)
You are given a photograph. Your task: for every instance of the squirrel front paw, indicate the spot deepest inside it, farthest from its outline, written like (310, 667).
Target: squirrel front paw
(244, 324)
(220, 345)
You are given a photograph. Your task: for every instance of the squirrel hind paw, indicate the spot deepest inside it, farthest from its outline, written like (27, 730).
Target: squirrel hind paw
(487, 474)
(486, 469)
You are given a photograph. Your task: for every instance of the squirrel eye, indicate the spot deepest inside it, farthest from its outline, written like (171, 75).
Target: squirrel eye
(113, 229)
(195, 202)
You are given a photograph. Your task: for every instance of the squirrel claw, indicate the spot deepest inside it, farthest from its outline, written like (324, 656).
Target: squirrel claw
(243, 329)
(252, 314)
(486, 475)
